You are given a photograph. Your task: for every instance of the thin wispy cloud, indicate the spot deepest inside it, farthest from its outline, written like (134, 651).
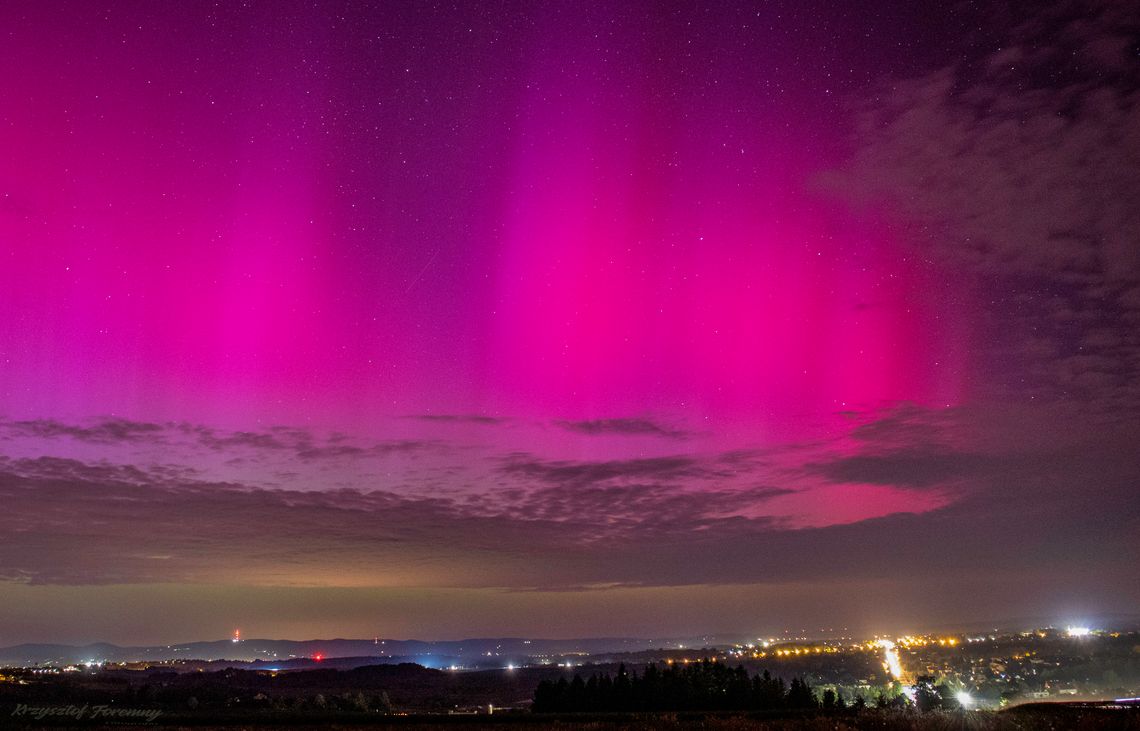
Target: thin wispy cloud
(631, 427)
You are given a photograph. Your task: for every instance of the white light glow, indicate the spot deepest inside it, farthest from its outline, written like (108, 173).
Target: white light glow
(891, 659)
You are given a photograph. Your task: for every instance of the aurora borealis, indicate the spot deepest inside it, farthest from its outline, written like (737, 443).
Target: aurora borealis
(565, 319)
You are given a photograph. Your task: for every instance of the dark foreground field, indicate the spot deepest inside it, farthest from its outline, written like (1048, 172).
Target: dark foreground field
(1027, 718)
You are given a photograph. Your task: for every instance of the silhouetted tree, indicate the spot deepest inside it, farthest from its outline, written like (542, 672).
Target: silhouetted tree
(768, 692)
(800, 695)
(926, 696)
(702, 686)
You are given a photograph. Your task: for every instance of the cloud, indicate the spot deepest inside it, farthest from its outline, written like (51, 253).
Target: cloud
(303, 444)
(901, 426)
(461, 419)
(1034, 168)
(633, 427)
(74, 522)
(69, 522)
(296, 442)
(916, 467)
(103, 432)
(576, 474)
(655, 521)
(1019, 167)
(72, 469)
(642, 509)
(337, 451)
(226, 441)
(1038, 485)
(1051, 456)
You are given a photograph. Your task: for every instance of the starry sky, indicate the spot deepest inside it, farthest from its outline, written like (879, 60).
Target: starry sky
(566, 318)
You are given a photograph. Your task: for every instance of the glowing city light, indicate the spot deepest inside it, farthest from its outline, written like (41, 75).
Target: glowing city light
(1078, 631)
(891, 658)
(965, 699)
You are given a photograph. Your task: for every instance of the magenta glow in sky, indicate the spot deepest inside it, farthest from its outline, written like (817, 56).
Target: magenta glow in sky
(248, 230)
(495, 293)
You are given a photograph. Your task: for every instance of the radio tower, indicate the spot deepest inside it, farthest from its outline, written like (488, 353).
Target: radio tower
(237, 635)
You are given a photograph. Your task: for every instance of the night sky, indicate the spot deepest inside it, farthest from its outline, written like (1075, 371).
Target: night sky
(566, 319)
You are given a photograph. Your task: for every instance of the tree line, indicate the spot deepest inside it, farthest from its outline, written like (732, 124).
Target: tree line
(700, 686)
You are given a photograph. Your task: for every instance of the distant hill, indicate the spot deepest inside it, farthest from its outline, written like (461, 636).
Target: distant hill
(476, 652)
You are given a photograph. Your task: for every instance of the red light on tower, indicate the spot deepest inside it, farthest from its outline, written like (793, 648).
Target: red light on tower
(318, 657)
(237, 635)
